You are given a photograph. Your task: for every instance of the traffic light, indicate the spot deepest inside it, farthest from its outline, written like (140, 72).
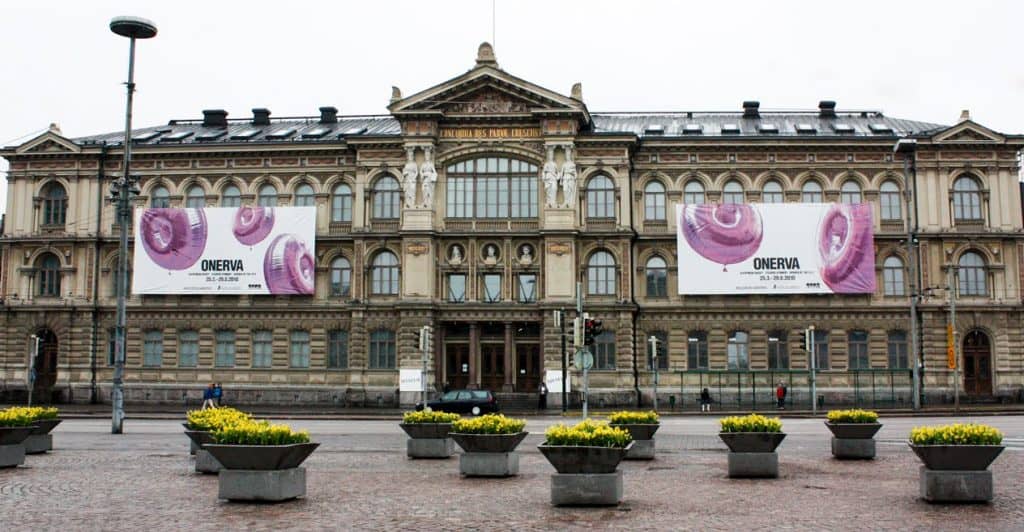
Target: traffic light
(426, 338)
(591, 329)
(803, 340)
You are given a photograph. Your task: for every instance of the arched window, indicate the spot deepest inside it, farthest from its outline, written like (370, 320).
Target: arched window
(972, 275)
(160, 198)
(55, 202)
(739, 350)
(857, 350)
(384, 274)
(195, 197)
(231, 197)
(811, 192)
(601, 274)
(341, 277)
(654, 201)
(966, 199)
(850, 193)
(267, 196)
(491, 187)
(778, 350)
(772, 192)
(304, 196)
(693, 193)
(382, 349)
(386, 198)
(341, 203)
(892, 276)
(662, 337)
(188, 349)
(697, 350)
(897, 348)
(657, 277)
(604, 350)
(49, 275)
(732, 192)
(892, 206)
(600, 198)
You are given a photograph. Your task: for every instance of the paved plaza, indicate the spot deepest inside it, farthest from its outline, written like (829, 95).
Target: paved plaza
(359, 478)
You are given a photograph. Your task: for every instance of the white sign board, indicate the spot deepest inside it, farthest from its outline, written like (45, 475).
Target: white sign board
(553, 379)
(790, 248)
(410, 380)
(229, 250)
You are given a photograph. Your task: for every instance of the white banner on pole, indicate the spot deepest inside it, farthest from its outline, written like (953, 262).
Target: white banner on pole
(553, 379)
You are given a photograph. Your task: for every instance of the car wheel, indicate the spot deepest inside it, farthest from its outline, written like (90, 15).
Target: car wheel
(475, 410)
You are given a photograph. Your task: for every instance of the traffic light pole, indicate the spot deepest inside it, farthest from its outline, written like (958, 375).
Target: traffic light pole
(579, 314)
(814, 367)
(565, 355)
(654, 359)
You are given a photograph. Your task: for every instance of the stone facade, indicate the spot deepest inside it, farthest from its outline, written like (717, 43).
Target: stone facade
(579, 198)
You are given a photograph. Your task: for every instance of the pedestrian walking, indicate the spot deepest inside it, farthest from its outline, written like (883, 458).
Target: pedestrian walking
(780, 395)
(208, 396)
(705, 400)
(218, 394)
(542, 400)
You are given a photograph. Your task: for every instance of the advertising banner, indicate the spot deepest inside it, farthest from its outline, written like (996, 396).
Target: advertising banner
(228, 250)
(777, 248)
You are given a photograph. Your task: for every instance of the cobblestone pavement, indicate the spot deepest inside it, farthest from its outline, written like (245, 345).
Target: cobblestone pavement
(360, 479)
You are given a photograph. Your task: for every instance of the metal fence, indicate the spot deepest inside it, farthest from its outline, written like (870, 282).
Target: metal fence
(741, 390)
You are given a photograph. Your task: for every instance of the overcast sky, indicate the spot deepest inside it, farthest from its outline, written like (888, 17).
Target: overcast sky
(923, 60)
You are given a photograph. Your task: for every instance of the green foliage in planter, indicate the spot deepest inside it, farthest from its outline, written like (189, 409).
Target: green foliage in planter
(956, 434)
(751, 423)
(630, 417)
(213, 419)
(587, 433)
(852, 416)
(259, 433)
(429, 416)
(489, 424)
(15, 418)
(35, 412)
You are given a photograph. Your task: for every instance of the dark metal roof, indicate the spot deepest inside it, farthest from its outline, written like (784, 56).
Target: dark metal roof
(673, 124)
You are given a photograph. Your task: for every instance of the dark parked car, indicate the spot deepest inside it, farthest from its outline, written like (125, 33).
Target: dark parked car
(474, 402)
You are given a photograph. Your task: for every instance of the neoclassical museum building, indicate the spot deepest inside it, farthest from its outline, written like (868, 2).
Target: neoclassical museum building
(476, 206)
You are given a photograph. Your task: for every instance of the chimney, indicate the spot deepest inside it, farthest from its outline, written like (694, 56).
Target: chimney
(965, 115)
(261, 116)
(750, 109)
(215, 118)
(328, 115)
(827, 109)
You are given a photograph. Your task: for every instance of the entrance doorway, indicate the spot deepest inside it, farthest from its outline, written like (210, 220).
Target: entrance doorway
(977, 364)
(492, 366)
(457, 365)
(527, 367)
(45, 365)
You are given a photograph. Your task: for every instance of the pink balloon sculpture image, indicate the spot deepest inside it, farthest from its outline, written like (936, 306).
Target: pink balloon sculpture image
(174, 239)
(253, 224)
(846, 247)
(289, 266)
(726, 234)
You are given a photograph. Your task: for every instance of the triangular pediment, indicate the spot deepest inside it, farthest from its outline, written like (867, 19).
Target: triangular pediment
(49, 142)
(968, 131)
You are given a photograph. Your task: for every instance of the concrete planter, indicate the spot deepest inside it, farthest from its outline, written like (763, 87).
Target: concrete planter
(488, 443)
(12, 445)
(428, 440)
(40, 440)
(575, 460)
(643, 440)
(957, 457)
(261, 457)
(956, 473)
(854, 431)
(206, 463)
(752, 442)
(418, 431)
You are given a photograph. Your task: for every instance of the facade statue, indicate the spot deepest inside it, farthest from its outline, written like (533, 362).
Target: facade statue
(491, 256)
(550, 178)
(409, 173)
(526, 255)
(429, 176)
(568, 179)
(456, 257)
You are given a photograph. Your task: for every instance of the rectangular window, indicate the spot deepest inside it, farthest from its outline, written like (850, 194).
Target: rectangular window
(337, 349)
(153, 349)
(460, 197)
(382, 350)
(858, 350)
(821, 354)
(891, 206)
(604, 351)
(225, 350)
(341, 208)
(300, 349)
(492, 197)
(897, 349)
(188, 349)
(697, 351)
(492, 287)
(778, 351)
(262, 349)
(111, 346)
(657, 282)
(737, 351)
(524, 197)
(457, 288)
(527, 288)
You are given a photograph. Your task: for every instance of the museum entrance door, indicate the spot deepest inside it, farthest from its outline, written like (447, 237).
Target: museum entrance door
(457, 365)
(977, 364)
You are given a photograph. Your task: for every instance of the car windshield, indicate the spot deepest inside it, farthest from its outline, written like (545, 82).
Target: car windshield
(450, 396)
(478, 394)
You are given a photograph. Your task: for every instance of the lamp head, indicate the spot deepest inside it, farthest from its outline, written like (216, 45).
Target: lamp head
(133, 27)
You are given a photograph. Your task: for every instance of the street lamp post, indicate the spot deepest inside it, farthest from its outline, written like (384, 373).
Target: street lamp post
(121, 189)
(32, 367)
(907, 148)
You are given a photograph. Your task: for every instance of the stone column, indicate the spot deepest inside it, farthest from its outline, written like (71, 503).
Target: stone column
(510, 349)
(474, 356)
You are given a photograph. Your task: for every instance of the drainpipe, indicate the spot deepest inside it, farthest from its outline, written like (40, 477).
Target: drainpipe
(632, 287)
(93, 395)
